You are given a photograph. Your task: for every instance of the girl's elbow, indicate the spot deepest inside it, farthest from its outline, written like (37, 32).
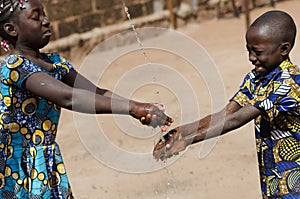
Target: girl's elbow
(65, 102)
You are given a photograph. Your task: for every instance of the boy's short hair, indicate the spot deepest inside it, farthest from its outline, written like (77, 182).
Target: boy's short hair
(280, 24)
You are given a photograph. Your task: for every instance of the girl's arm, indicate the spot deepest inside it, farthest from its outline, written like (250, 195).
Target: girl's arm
(77, 80)
(86, 101)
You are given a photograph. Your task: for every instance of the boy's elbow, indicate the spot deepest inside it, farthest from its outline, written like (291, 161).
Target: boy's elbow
(232, 123)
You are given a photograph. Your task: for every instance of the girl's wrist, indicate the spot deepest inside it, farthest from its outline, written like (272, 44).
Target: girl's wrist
(133, 106)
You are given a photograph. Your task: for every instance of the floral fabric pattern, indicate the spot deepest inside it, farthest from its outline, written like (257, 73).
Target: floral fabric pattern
(278, 130)
(31, 165)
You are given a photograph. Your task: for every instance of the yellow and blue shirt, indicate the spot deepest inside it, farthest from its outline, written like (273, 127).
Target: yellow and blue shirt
(278, 129)
(31, 165)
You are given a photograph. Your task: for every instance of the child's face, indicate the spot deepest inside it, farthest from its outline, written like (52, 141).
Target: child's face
(32, 26)
(264, 51)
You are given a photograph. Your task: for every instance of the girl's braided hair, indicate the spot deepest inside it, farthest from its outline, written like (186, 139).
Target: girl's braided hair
(7, 7)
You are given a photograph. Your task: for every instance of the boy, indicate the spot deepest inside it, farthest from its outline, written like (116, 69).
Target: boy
(270, 94)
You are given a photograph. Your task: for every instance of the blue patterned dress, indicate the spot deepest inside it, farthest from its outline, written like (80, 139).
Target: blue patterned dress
(278, 130)
(31, 164)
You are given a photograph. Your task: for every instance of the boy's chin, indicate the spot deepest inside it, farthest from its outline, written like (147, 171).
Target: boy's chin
(260, 73)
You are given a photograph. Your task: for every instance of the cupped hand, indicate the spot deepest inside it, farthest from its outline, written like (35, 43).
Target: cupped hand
(171, 144)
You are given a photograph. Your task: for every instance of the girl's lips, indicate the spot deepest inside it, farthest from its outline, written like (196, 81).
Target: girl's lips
(48, 33)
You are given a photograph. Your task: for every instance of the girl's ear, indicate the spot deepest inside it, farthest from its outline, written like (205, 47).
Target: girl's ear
(10, 29)
(285, 48)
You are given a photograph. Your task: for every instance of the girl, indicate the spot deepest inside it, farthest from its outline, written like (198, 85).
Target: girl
(33, 87)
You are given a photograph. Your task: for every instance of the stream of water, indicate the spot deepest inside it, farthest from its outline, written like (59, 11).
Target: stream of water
(170, 186)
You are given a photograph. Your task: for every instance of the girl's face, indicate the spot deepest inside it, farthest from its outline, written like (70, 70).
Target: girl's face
(32, 26)
(264, 51)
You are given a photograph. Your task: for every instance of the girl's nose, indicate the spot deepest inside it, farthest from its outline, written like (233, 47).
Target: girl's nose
(46, 22)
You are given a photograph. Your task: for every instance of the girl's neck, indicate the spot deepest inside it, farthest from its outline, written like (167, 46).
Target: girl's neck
(36, 57)
(27, 52)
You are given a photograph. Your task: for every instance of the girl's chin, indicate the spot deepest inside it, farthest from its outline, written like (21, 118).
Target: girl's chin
(45, 43)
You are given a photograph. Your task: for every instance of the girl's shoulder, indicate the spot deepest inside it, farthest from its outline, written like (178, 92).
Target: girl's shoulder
(55, 57)
(12, 61)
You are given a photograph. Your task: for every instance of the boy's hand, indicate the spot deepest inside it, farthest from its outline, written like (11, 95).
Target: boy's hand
(171, 144)
(152, 114)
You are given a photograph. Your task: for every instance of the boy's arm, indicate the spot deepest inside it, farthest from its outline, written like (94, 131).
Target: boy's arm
(231, 117)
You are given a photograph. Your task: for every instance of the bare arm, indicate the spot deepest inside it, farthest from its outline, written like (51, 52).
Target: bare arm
(76, 80)
(81, 100)
(231, 117)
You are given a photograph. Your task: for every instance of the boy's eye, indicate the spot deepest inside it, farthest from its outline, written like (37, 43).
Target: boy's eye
(257, 52)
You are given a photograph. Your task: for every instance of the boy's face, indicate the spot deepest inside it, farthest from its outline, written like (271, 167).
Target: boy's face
(264, 50)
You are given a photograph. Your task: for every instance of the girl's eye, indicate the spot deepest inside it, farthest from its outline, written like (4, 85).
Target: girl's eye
(35, 16)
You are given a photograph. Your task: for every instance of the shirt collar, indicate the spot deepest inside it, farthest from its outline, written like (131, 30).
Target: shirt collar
(274, 73)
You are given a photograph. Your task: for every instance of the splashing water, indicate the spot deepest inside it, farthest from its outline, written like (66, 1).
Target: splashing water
(136, 34)
(170, 176)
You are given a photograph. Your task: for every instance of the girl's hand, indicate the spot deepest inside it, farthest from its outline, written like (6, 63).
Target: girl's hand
(151, 114)
(171, 144)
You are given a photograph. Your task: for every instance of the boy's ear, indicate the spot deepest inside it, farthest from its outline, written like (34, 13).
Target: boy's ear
(10, 29)
(285, 48)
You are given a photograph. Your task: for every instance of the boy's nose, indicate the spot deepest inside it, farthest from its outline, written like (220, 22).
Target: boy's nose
(252, 57)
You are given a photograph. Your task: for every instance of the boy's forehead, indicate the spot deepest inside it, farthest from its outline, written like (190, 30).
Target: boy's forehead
(260, 30)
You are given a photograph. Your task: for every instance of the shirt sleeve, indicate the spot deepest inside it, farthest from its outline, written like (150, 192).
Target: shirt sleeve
(282, 98)
(16, 70)
(244, 95)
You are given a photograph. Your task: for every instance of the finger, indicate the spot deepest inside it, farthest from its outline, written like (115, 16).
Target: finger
(159, 145)
(159, 149)
(163, 128)
(162, 120)
(158, 153)
(169, 144)
(143, 120)
(169, 121)
(165, 120)
(148, 119)
(169, 135)
(153, 122)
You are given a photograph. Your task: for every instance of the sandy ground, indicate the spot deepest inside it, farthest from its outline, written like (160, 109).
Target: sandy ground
(111, 157)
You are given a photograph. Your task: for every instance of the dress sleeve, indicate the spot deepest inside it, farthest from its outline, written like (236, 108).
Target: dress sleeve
(16, 69)
(61, 65)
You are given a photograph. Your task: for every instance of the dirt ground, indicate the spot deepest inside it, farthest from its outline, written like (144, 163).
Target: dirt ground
(110, 157)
